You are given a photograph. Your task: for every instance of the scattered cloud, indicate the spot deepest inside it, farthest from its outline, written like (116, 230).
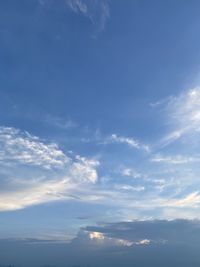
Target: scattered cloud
(130, 172)
(23, 148)
(33, 171)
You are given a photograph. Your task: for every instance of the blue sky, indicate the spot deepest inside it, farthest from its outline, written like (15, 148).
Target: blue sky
(99, 117)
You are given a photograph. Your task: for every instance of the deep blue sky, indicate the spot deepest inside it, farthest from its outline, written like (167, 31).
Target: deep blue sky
(99, 119)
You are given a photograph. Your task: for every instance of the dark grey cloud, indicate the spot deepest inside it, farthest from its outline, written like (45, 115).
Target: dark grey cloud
(180, 249)
(173, 232)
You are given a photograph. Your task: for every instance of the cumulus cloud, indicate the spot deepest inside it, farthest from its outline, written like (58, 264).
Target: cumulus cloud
(138, 243)
(99, 239)
(33, 171)
(27, 253)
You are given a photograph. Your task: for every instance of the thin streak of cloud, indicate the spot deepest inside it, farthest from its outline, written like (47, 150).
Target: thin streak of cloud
(131, 142)
(130, 172)
(175, 159)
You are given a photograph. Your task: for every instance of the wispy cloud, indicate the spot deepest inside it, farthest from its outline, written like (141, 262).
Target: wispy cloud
(130, 172)
(33, 171)
(131, 142)
(175, 159)
(191, 200)
(183, 115)
(58, 122)
(127, 187)
(97, 11)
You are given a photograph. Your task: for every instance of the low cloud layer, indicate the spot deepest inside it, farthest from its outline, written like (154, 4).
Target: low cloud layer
(140, 243)
(182, 232)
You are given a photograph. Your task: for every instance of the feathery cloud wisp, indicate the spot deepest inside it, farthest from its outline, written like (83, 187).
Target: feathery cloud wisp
(183, 115)
(96, 10)
(131, 142)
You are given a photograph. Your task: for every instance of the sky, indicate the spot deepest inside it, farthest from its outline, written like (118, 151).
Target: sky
(99, 132)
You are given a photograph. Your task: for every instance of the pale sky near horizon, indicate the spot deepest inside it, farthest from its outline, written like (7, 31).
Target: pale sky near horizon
(99, 116)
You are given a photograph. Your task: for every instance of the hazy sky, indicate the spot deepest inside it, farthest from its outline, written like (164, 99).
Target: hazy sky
(100, 129)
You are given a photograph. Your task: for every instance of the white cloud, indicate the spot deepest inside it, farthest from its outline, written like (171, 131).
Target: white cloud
(175, 159)
(99, 239)
(34, 172)
(183, 115)
(131, 142)
(127, 187)
(172, 137)
(21, 147)
(190, 201)
(143, 242)
(84, 167)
